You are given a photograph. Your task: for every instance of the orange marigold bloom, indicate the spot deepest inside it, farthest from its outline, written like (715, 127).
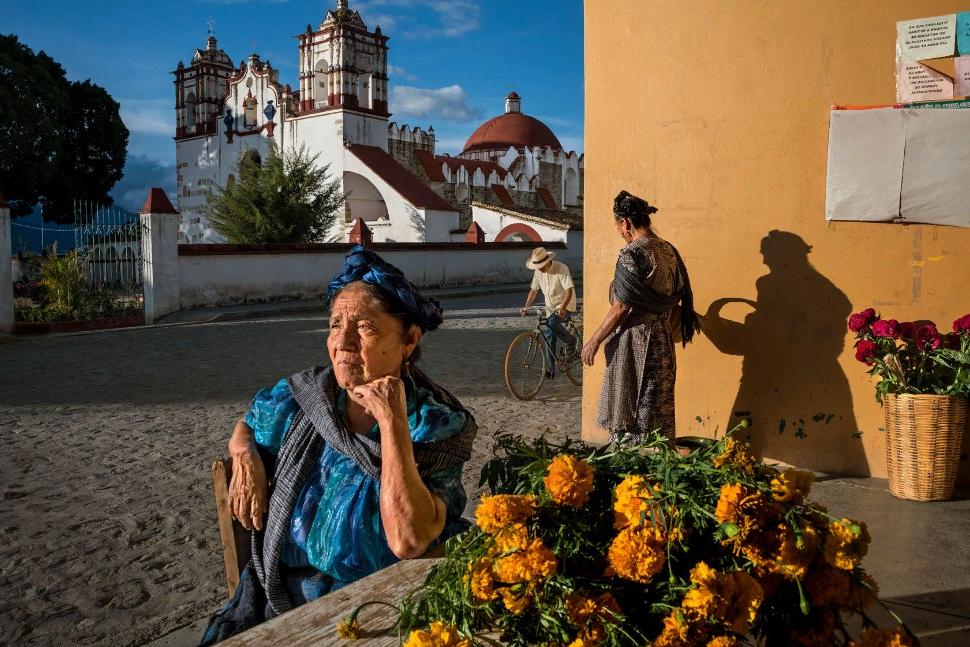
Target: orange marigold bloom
(847, 543)
(569, 480)
(675, 633)
(743, 597)
(481, 580)
(515, 601)
(875, 637)
(502, 510)
(724, 641)
(792, 485)
(514, 537)
(636, 554)
(348, 629)
(795, 552)
(439, 634)
(534, 562)
(736, 454)
(633, 502)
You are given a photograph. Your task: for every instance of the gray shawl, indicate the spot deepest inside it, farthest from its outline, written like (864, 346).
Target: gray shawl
(315, 424)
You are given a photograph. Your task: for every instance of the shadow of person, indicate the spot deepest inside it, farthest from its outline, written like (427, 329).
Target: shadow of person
(792, 388)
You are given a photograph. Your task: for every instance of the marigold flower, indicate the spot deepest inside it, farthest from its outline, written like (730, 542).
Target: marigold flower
(569, 480)
(675, 633)
(636, 554)
(481, 580)
(795, 550)
(792, 485)
(502, 510)
(743, 596)
(736, 454)
(588, 637)
(514, 537)
(439, 634)
(515, 601)
(633, 502)
(348, 629)
(847, 544)
(581, 609)
(729, 503)
(534, 562)
(875, 637)
(723, 641)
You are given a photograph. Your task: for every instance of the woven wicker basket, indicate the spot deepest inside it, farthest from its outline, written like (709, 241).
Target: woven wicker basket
(923, 435)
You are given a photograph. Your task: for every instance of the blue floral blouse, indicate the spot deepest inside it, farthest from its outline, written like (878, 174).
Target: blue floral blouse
(336, 536)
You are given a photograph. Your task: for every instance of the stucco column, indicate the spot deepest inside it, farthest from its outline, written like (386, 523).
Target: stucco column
(6, 274)
(160, 256)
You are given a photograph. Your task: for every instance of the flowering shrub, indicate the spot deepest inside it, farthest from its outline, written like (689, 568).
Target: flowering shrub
(643, 546)
(913, 356)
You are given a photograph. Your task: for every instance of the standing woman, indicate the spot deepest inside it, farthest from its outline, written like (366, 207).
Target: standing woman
(651, 280)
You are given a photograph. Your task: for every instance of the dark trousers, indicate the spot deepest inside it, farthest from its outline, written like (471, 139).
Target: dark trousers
(556, 330)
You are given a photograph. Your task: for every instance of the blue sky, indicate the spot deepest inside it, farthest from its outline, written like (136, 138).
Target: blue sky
(453, 61)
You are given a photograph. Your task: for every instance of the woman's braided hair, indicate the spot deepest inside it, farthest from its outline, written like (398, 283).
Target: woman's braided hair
(630, 207)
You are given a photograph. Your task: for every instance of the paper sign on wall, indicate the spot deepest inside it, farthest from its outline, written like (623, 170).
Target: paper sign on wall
(935, 188)
(927, 37)
(963, 33)
(916, 82)
(962, 79)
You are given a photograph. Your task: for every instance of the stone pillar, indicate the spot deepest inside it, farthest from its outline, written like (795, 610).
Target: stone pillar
(160, 256)
(475, 234)
(6, 273)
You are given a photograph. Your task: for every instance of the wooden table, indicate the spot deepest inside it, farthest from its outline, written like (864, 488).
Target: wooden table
(315, 623)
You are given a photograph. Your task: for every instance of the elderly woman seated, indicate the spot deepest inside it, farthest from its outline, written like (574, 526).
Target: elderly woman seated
(363, 458)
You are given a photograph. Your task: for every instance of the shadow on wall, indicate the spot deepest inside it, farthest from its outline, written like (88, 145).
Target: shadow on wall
(792, 387)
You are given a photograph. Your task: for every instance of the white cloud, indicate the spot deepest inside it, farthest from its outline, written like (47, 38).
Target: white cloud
(452, 18)
(449, 103)
(400, 72)
(142, 173)
(148, 116)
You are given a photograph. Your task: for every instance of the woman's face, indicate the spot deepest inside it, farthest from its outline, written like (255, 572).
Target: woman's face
(366, 343)
(623, 228)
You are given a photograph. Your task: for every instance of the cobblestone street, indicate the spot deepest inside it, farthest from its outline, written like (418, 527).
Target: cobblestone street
(109, 531)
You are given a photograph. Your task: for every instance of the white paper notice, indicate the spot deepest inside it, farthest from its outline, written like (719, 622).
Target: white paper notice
(962, 80)
(916, 82)
(927, 37)
(865, 167)
(935, 187)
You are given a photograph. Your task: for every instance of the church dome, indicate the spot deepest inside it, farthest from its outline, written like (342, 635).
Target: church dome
(511, 129)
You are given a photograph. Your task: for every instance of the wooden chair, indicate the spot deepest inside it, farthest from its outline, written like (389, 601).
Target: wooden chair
(236, 542)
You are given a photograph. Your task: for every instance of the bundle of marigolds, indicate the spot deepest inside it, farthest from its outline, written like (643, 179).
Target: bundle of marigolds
(638, 545)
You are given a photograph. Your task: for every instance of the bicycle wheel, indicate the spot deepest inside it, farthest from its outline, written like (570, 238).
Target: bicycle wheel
(572, 366)
(525, 366)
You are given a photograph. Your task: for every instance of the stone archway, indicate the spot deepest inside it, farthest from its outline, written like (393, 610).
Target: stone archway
(518, 232)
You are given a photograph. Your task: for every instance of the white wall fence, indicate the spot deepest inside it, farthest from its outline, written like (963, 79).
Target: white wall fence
(199, 276)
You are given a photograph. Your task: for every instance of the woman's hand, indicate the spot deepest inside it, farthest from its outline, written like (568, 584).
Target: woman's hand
(383, 399)
(248, 489)
(589, 351)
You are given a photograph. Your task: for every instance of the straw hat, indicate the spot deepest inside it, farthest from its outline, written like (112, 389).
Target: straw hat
(540, 256)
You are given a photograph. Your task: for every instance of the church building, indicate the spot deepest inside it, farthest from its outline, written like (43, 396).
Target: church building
(512, 180)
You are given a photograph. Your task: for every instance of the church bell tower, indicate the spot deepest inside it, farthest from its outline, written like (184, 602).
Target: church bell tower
(199, 90)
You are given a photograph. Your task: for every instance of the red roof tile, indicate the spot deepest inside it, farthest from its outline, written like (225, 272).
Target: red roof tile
(402, 180)
(547, 198)
(431, 164)
(157, 202)
(503, 195)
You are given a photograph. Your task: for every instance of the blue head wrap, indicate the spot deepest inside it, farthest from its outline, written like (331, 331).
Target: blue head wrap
(364, 265)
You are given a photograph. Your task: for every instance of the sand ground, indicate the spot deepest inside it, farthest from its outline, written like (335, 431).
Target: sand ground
(109, 533)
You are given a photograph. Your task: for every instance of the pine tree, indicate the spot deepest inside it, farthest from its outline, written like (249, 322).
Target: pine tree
(286, 198)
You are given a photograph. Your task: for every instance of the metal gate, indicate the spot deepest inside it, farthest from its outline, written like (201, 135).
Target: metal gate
(108, 244)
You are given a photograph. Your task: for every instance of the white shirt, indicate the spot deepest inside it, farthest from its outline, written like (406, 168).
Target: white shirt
(553, 285)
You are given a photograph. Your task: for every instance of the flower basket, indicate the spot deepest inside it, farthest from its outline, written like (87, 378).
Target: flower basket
(923, 436)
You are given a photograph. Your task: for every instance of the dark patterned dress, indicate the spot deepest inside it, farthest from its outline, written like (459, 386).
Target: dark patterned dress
(638, 389)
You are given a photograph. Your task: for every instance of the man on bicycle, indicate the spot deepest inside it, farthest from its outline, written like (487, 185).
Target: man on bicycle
(559, 293)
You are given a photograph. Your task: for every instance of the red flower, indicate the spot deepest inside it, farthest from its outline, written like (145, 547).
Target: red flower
(928, 337)
(962, 324)
(886, 328)
(865, 351)
(859, 320)
(907, 330)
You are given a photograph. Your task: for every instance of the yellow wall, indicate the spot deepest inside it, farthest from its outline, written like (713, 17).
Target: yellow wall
(717, 112)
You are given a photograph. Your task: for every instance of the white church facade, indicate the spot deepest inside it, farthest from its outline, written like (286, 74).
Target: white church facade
(513, 177)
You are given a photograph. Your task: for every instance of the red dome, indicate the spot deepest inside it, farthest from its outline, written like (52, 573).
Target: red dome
(511, 129)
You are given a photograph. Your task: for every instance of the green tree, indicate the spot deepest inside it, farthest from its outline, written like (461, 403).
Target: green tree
(286, 198)
(59, 139)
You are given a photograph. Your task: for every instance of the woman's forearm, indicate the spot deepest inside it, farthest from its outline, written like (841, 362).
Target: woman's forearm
(242, 439)
(412, 516)
(612, 319)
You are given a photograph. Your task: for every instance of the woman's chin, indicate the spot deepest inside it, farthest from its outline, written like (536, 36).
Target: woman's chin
(348, 379)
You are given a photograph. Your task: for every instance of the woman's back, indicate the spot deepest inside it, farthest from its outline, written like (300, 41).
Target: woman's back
(654, 262)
